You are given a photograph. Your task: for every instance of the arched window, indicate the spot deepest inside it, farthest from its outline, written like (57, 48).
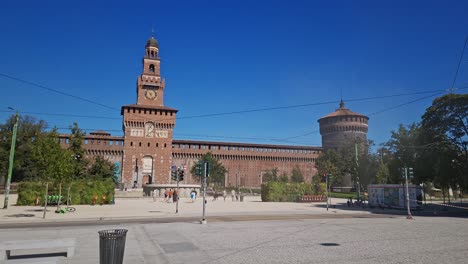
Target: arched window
(151, 68)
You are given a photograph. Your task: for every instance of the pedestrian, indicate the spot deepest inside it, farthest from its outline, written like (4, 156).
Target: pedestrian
(175, 196)
(224, 195)
(192, 195)
(233, 194)
(169, 199)
(154, 195)
(166, 194)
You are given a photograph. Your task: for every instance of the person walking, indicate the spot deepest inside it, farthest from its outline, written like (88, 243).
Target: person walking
(175, 196)
(166, 194)
(192, 195)
(169, 200)
(224, 195)
(233, 194)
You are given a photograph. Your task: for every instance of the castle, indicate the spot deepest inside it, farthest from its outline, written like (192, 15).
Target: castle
(146, 152)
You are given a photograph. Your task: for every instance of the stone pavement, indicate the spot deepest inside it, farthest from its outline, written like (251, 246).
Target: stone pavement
(296, 240)
(338, 241)
(131, 208)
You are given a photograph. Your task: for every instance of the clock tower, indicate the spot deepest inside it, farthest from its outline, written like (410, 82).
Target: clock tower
(148, 127)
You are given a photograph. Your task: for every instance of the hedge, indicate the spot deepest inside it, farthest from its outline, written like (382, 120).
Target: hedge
(289, 192)
(81, 192)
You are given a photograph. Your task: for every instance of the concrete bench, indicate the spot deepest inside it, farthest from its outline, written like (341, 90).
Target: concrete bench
(7, 246)
(45, 260)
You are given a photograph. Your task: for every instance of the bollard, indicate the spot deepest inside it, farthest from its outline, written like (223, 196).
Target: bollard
(112, 246)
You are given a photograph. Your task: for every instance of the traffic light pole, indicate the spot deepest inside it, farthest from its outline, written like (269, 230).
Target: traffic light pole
(10, 165)
(326, 181)
(407, 195)
(177, 201)
(204, 192)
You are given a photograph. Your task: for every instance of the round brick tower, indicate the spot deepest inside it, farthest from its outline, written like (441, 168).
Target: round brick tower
(341, 127)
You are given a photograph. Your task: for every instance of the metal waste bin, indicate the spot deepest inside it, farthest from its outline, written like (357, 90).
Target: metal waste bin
(241, 197)
(112, 246)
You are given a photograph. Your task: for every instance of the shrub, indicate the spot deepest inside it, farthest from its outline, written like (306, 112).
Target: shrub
(287, 192)
(81, 191)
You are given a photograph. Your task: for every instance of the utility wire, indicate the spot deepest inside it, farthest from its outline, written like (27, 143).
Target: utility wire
(288, 138)
(407, 103)
(210, 114)
(381, 111)
(57, 91)
(66, 115)
(458, 67)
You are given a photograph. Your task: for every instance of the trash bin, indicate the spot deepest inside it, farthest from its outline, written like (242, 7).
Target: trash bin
(241, 197)
(112, 246)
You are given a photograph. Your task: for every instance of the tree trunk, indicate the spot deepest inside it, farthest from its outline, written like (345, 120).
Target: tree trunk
(68, 195)
(59, 196)
(443, 194)
(45, 199)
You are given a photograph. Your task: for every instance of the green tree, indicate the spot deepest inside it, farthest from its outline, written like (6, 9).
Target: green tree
(445, 124)
(28, 129)
(283, 177)
(102, 169)
(54, 163)
(80, 162)
(330, 163)
(217, 170)
(271, 175)
(403, 146)
(296, 175)
(383, 174)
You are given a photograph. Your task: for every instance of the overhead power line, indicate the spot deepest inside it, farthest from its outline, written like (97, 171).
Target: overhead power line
(66, 115)
(459, 63)
(57, 91)
(202, 115)
(381, 111)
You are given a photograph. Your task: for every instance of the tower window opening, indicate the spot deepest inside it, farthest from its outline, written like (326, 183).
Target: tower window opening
(151, 67)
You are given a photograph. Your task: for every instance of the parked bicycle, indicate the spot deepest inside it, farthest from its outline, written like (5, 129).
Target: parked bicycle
(64, 210)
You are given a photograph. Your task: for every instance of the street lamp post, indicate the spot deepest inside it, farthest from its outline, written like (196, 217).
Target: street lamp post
(407, 195)
(205, 174)
(12, 156)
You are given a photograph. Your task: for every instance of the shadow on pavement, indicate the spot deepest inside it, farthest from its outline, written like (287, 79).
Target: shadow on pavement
(433, 209)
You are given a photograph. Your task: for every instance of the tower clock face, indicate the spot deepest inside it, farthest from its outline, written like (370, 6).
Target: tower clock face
(151, 94)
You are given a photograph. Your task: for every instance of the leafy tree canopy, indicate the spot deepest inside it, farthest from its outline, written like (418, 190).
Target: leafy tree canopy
(217, 170)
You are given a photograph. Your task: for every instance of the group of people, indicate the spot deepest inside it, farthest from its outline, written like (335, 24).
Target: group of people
(234, 195)
(171, 196)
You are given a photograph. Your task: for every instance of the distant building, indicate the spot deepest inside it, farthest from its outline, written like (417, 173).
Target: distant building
(341, 127)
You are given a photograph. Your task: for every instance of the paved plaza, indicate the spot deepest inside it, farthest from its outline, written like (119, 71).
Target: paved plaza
(376, 240)
(131, 208)
(295, 233)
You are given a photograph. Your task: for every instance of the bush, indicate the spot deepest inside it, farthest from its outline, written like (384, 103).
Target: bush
(288, 192)
(81, 192)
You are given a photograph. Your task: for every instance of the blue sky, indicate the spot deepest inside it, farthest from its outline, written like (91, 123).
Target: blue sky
(225, 56)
